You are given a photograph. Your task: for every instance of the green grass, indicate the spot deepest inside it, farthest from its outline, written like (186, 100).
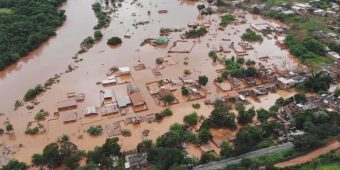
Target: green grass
(330, 166)
(5, 11)
(316, 63)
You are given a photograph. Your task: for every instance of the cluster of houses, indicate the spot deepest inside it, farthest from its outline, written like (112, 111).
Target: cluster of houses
(162, 89)
(302, 8)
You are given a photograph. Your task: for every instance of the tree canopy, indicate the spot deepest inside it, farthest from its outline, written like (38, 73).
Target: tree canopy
(27, 25)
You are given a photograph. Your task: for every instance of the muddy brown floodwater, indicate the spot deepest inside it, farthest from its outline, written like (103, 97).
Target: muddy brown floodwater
(54, 56)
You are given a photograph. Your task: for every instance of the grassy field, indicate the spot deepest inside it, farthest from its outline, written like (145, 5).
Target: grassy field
(5, 11)
(316, 63)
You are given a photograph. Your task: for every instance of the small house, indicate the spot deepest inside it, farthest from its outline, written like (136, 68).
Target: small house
(90, 111)
(136, 161)
(124, 70)
(69, 117)
(285, 83)
(123, 101)
(67, 104)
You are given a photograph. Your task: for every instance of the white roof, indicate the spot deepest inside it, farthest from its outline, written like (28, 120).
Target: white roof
(334, 54)
(286, 81)
(109, 81)
(91, 110)
(124, 69)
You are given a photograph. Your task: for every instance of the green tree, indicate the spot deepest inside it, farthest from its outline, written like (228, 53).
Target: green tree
(164, 158)
(226, 150)
(168, 99)
(208, 157)
(246, 116)
(247, 138)
(51, 155)
(203, 80)
(191, 119)
(98, 35)
(204, 135)
(114, 41)
(263, 115)
(15, 165)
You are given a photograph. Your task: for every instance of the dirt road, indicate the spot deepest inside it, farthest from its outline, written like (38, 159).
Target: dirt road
(310, 156)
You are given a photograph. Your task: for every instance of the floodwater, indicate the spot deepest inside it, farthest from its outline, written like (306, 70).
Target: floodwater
(54, 56)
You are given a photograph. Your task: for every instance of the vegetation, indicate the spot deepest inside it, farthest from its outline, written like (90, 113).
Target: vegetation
(95, 130)
(164, 113)
(114, 41)
(226, 150)
(98, 35)
(318, 126)
(226, 20)
(204, 135)
(166, 158)
(103, 18)
(251, 36)
(168, 99)
(32, 93)
(196, 105)
(87, 43)
(195, 33)
(203, 80)
(103, 155)
(191, 119)
(32, 131)
(245, 116)
(15, 165)
(175, 137)
(317, 82)
(220, 117)
(263, 114)
(25, 27)
(56, 154)
(213, 55)
(41, 115)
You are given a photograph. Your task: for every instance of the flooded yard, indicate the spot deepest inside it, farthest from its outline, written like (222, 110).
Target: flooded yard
(55, 55)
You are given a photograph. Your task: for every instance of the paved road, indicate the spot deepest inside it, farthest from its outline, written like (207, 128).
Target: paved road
(235, 160)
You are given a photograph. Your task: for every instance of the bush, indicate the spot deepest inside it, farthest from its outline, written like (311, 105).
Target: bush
(159, 60)
(204, 135)
(32, 93)
(251, 36)
(126, 132)
(98, 35)
(195, 33)
(32, 131)
(167, 112)
(219, 79)
(87, 42)
(168, 99)
(226, 150)
(191, 119)
(114, 41)
(185, 91)
(196, 106)
(95, 130)
(226, 20)
(203, 80)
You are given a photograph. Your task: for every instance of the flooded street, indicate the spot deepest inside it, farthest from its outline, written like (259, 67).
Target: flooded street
(54, 56)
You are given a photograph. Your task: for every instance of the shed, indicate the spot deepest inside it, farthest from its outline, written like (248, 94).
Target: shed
(137, 99)
(109, 109)
(206, 148)
(89, 111)
(69, 117)
(67, 104)
(123, 101)
(107, 94)
(231, 94)
(124, 70)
